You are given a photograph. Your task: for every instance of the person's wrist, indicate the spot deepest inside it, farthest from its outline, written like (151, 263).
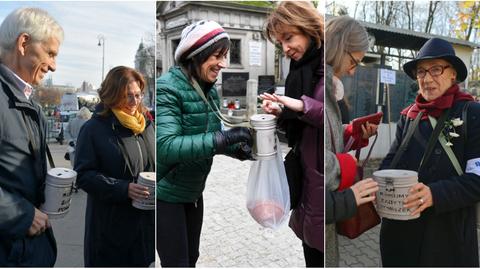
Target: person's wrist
(220, 142)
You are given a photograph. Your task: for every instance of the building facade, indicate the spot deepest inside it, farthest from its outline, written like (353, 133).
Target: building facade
(250, 52)
(145, 64)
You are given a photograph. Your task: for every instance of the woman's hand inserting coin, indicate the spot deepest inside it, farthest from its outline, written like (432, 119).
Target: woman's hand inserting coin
(271, 101)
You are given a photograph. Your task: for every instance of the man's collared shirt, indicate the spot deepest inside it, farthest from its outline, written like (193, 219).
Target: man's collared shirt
(21, 84)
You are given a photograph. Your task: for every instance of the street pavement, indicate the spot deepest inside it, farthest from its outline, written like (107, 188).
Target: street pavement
(69, 230)
(363, 251)
(230, 237)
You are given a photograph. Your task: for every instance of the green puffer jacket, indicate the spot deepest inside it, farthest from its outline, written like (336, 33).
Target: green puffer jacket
(185, 138)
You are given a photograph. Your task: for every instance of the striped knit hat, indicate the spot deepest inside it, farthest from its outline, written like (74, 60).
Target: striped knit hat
(197, 37)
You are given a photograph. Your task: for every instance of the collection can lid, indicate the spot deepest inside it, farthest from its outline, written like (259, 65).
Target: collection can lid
(148, 176)
(262, 120)
(395, 173)
(60, 172)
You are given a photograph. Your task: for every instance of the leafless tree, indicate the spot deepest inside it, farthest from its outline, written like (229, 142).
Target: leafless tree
(432, 7)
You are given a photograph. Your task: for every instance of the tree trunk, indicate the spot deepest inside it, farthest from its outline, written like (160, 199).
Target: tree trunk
(475, 10)
(432, 7)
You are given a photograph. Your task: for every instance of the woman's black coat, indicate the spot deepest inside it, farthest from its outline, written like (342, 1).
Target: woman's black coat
(116, 233)
(445, 234)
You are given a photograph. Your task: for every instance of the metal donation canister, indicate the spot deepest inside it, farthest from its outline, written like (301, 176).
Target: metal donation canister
(264, 143)
(58, 192)
(146, 179)
(393, 189)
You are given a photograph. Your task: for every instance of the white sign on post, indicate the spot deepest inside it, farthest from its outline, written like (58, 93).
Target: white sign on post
(255, 53)
(387, 76)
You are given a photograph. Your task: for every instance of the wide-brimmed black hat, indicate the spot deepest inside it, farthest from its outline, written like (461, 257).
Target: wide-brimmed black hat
(437, 48)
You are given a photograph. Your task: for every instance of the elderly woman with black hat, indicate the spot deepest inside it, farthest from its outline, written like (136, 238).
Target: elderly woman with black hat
(188, 136)
(444, 148)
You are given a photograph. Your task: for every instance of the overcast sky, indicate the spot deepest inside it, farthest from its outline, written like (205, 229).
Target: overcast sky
(123, 24)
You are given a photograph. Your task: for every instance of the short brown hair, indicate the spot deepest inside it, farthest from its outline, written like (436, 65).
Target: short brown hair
(300, 14)
(114, 88)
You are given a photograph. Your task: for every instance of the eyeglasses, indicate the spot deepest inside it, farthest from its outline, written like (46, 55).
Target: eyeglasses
(434, 71)
(133, 97)
(355, 61)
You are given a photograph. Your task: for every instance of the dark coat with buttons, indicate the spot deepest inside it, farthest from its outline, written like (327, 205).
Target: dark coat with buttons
(23, 168)
(116, 233)
(445, 234)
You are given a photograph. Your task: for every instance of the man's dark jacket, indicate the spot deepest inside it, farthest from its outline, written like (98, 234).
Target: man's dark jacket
(23, 168)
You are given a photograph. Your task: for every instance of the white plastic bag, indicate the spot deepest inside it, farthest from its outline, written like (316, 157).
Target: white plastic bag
(268, 197)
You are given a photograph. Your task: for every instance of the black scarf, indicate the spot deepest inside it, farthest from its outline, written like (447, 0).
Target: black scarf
(301, 80)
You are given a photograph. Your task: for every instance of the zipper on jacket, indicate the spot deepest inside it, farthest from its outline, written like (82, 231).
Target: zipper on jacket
(206, 111)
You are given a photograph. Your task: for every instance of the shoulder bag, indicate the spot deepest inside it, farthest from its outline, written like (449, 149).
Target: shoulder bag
(293, 169)
(366, 216)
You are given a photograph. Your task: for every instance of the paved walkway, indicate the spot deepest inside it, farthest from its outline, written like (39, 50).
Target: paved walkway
(230, 237)
(69, 230)
(363, 251)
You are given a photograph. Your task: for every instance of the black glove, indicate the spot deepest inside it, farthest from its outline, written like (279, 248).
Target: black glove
(223, 139)
(244, 152)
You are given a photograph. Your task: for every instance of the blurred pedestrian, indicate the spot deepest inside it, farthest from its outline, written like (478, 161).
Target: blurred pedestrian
(29, 43)
(113, 148)
(188, 136)
(73, 128)
(297, 27)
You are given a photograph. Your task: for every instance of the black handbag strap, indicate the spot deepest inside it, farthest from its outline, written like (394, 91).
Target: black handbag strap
(49, 155)
(464, 126)
(434, 138)
(357, 153)
(33, 144)
(121, 146)
(403, 146)
(465, 120)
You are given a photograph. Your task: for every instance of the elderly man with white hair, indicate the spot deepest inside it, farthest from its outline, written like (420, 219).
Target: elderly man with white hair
(29, 42)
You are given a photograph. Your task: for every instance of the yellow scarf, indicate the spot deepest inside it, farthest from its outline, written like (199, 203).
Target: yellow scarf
(136, 123)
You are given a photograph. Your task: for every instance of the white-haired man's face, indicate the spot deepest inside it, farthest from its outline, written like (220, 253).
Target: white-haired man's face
(37, 58)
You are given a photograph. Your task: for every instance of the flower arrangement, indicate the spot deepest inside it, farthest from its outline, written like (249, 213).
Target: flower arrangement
(449, 130)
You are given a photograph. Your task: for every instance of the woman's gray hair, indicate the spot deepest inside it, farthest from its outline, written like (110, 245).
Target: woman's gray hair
(343, 34)
(84, 113)
(35, 22)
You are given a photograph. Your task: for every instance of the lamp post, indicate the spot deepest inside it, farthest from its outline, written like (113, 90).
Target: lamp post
(101, 42)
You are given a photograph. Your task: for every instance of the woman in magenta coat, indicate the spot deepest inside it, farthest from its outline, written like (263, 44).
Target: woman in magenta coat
(298, 28)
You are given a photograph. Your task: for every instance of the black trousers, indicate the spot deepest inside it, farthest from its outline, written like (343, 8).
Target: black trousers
(313, 256)
(178, 233)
